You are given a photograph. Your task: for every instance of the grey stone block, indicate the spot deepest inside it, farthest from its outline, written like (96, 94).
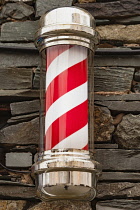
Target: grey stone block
(127, 134)
(16, 11)
(14, 159)
(113, 79)
(121, 106)
(24, 107)
(123, 8)
(120, 61)
(15, 58)
(19, 31)
(21, 134)
(118, 159)
(43, 6)
(15, 78)
(118, 205)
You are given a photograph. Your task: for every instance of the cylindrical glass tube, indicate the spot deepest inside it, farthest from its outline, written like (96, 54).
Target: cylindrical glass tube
(64, 98)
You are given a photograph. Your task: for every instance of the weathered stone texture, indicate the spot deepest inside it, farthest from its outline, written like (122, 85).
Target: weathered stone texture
(111, 159)
(65, 205)
(14, 58)
(130, 20)
(12, 205)
(127, 34)
(24, 107)
(25, 1)
(137, 76)
(16, 11)
(13, 94)
(15, 78)
(17, 192)
(112, 9)
(16, 159)
(118, 205)
(86, 1)
(121, 106)
(120, 176)
(103, 127)
(19, 31)
(113, 79)
(22, 118)
(121, 189)
(22, 133)
(43, 6)
(120, 61)
(127, 134)
(117, 97)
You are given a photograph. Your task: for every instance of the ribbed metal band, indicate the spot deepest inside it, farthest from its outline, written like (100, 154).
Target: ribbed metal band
(77, 28)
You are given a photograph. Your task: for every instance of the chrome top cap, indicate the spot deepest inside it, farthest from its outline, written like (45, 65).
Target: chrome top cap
(67, 25)
(67, 15)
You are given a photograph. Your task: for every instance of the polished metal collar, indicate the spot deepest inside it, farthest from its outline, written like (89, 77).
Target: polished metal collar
(67, 25)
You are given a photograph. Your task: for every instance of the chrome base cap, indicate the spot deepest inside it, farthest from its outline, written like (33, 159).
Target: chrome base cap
(66, 174)
(70, 185)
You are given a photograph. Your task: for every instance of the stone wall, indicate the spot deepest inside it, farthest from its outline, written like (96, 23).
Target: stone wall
(117, 103)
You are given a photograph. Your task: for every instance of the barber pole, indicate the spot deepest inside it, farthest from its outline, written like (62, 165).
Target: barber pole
(64, 167)
(66, 119)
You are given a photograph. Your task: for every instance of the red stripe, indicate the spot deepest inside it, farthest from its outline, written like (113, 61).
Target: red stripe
(66, 81)
(54, 51)
(66, 125)
(85, 148)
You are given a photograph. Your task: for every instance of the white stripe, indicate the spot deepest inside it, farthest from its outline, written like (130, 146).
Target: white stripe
(65, 103)
(77, 140)
(65, 60)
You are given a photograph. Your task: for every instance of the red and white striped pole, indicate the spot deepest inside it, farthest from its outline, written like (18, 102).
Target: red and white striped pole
(66, 118)
(65, 168)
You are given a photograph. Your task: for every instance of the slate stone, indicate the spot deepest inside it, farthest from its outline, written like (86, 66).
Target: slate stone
(126, 34)
(121, 106)
(127, 134)
(16, 11)
(86, 1)
(115, 189)
(18, 159)
(120, 176)
(25, 1)
(17, 192)
(65, 205)
(137, 76)
(24, 107)
(115, 9)
(130, 20)
(119, 61)
(42, 6)
(103, 124)
(120, 204)
(22, 118)
(105, 146)
(136, 88)
(19, 31)
(14, 95)
(36, 79)
(111, 159)
(117, 97)
(15, 78)
(113, 79)
(22, 133)
(18, 58)
(12, 204)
